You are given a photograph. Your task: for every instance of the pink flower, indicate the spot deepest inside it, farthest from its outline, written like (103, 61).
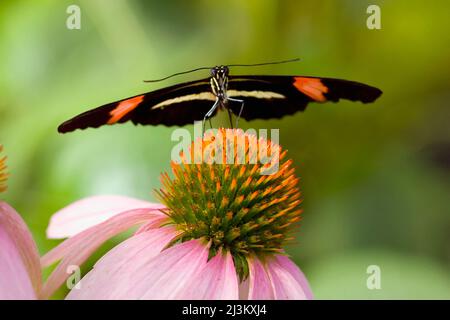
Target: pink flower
(217, 236)
(20, 271)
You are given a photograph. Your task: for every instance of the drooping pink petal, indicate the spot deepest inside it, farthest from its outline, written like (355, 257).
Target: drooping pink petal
(288, 282)
(171, 271)
(260, 287)
(14, 280)
(277, 278)
(217, 280)
(168, 275)
(20, 271)
(90, 211)
(112, 272)
(77, 249)
(243, 289)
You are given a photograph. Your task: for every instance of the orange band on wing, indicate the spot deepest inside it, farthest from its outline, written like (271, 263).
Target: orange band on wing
(312, 87)
(123, 108)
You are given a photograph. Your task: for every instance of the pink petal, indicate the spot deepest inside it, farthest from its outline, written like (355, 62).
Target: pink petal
(175, 273)
(20, 271)
(243, 289)
(113, 271)
(14, 279)
(76, 250)
(288, 282)
(168, 275)
(260, 287)
(88, 212)
(217, 280)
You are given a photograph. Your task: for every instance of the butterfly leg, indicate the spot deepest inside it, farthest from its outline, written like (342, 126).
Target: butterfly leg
(230, 117)
(208, 115)
(240, 111)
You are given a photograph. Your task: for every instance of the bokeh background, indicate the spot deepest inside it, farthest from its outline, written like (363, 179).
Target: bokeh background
(375, 178)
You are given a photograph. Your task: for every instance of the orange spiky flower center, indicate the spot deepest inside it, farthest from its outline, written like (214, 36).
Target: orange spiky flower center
(3, 174)
(229, 200)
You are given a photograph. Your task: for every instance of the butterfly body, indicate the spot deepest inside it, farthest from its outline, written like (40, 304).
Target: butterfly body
(249, 97)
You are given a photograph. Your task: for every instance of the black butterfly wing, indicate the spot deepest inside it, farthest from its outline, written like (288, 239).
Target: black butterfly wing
(176, 105)
(265, 97)
(268, 97)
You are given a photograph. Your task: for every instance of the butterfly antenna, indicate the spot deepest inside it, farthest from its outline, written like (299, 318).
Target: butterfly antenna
(179, 73)
(264, 63)
(230, 65)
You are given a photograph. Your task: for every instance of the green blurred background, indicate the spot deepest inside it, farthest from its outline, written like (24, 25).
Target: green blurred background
(375, 177)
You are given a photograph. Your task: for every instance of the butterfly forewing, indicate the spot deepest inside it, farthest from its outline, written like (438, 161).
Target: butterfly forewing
(268, 97)
(176, 105)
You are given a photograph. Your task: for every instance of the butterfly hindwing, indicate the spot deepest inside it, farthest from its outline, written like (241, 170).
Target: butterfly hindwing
(176, 105)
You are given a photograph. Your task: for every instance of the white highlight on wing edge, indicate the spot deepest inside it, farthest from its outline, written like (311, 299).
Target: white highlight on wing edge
(189, 97)
(256, 94)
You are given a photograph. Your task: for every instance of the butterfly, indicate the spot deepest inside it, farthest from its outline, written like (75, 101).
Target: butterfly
(245, 96)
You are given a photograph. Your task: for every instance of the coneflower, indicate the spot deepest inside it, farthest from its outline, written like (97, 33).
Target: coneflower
(218, 235)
